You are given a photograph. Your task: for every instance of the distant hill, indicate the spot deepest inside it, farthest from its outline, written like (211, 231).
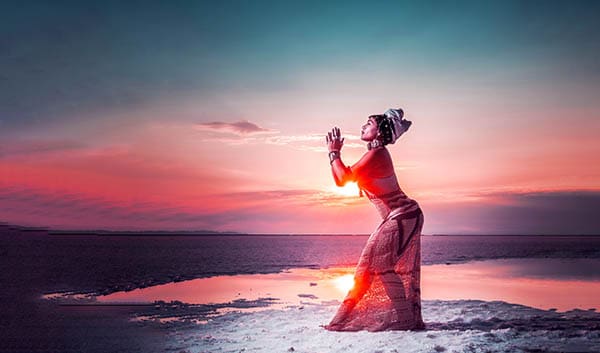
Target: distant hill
(18, 228)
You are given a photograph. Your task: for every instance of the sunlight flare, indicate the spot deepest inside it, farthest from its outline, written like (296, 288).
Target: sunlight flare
(344, 283)
(348, 190)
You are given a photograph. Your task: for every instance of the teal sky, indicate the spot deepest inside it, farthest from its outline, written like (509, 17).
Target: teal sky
(64, 57)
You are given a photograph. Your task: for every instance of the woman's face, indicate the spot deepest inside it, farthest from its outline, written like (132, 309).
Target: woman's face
(369, 130)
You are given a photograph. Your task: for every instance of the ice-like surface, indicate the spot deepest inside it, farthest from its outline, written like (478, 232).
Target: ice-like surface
(467, 307)
(452, 326)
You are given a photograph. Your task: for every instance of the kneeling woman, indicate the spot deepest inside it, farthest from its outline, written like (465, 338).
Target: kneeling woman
(386, 293)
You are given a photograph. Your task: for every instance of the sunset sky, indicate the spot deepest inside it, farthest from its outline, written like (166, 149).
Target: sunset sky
(212, 115)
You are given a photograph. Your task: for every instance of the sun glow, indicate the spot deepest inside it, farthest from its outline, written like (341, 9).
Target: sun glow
(349, 190)
(344, 283)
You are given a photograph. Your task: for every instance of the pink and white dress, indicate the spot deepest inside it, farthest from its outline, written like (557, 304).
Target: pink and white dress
(386, 294)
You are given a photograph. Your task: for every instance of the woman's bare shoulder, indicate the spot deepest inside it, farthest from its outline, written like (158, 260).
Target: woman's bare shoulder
(375, 163)
(385, 165)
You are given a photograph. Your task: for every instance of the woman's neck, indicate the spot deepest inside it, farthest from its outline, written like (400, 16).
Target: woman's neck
(374, 144)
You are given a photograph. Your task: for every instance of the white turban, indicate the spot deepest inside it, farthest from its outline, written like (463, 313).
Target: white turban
(397, 123)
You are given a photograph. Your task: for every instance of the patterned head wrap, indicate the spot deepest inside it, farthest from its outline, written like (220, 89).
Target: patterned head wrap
(398, 124)
(392, 125)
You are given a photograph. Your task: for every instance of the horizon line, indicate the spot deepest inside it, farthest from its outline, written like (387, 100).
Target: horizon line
(105, 232)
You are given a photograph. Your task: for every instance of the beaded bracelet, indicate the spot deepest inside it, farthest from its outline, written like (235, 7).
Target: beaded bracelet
(333, 155)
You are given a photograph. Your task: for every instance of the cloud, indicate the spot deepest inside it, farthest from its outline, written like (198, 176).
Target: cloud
(77, 211)
(309, 142)
(255, 211)
(241, 128)
(300, 211)
(544, 213)
(29, 147)
(294, 197)
(314, 142)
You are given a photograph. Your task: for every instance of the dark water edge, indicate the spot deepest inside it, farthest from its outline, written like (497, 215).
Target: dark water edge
(31, 264)
(38, 262)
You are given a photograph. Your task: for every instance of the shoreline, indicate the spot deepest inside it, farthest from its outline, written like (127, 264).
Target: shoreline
(535, 282)
(349, 269)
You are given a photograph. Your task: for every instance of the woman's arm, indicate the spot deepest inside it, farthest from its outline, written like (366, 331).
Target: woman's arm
(342, 173)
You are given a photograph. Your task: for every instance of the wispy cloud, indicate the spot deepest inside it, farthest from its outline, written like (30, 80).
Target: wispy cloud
(241, 128)
(10, 148)
(71, 210)
(314, 142)
(310, 142)
(304, 211)
(296, 197)
(534, 212)
(239, 211)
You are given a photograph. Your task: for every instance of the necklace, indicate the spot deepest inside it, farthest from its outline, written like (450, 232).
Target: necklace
(374, 144)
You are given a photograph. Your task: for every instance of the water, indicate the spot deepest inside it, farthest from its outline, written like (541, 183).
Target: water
(532, 282)
(242, 254)
(42, 263)
(118, 263)
(245, 254)
(36, 263)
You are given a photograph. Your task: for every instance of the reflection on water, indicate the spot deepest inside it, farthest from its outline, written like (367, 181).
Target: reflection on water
(293, 287)
(562, 284)
(345, 282)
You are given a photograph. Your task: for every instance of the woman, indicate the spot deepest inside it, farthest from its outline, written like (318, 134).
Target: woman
(386, 293)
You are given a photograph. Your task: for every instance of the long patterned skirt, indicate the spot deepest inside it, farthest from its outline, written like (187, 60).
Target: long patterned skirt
(386, 294)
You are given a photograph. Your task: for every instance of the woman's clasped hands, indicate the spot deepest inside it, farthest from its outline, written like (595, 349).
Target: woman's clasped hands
(334, 140)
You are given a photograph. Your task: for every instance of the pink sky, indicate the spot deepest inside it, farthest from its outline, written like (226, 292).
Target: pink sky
(266, 171)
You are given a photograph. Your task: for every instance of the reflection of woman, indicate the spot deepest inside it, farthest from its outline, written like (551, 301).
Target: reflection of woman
(386, 293)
